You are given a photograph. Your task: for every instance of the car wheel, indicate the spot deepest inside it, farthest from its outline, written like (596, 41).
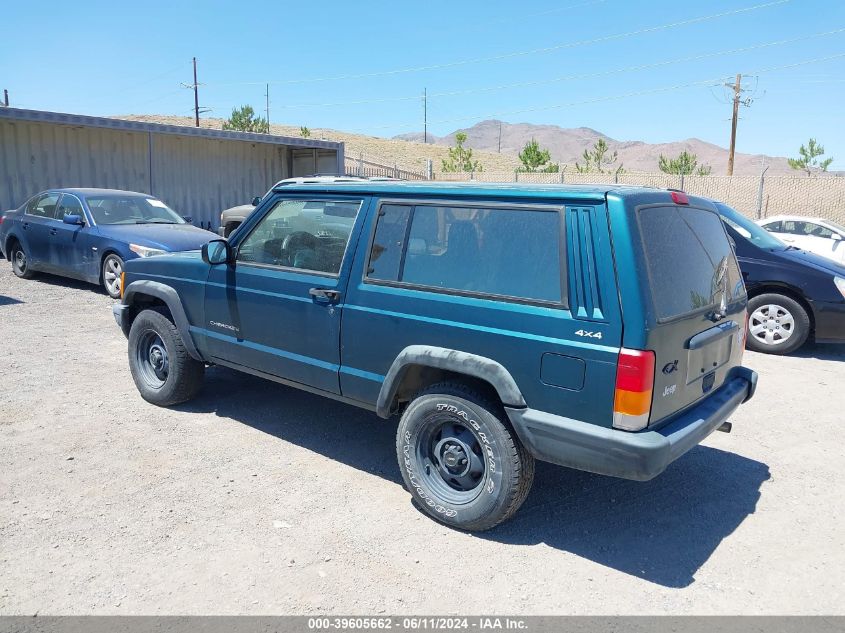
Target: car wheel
(112, 268)
(777, 324)
(20, 262)
(163, 371)
(460, 460)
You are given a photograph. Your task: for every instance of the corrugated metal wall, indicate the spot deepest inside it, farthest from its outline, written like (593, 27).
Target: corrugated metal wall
(196, 176)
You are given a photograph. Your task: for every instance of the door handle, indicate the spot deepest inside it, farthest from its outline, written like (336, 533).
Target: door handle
(25, 226)
(324, 295)
(53, 231)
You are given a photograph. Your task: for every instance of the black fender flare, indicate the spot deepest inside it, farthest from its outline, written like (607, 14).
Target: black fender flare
(473, 365)
(171, 299)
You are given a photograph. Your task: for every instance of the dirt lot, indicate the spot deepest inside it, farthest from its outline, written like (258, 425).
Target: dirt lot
(257, 498)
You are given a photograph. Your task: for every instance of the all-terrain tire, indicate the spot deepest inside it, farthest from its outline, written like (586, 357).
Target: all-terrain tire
(163, 371)
(777, 324)
(456, 417)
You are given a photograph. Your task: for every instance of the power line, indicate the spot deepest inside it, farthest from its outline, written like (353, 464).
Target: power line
(514, 54)
(591, 75)
(637, 93)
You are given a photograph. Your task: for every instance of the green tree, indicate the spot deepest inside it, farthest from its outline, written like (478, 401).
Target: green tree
(535, 159)
(460, 157)
(809, 159)
(597, 159)
(304, 132)
(684, 164)
(243, 119)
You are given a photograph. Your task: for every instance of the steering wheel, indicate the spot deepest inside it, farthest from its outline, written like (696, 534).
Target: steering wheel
(298, 240)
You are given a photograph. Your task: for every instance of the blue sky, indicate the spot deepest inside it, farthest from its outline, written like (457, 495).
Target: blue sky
(97, 58)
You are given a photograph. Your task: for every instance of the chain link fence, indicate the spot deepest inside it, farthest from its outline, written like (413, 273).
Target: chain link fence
(754, 196)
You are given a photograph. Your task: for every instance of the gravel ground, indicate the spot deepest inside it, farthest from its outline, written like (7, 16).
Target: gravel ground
(257, 498)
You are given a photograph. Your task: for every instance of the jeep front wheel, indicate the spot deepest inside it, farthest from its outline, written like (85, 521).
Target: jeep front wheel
(460, 460)
(163, 371)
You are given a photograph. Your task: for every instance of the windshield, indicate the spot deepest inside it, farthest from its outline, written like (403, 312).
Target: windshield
(131, 210)
(754, 233)
(836, 227)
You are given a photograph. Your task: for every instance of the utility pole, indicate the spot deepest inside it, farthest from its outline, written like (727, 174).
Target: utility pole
(737, 92)
(499, 150)
(5, 97)
(425, 115)
(267, 107)
(195, 87)
(197, 97)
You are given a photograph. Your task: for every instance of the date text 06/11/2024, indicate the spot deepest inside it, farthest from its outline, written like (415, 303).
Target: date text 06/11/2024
(419, 623)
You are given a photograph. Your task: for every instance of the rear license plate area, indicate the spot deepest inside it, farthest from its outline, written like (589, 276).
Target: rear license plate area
(704, 361)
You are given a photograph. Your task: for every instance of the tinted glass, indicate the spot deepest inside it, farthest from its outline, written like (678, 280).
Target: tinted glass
(45, 207)
(773, 227)
(69, 205)
(690, 262)
(386, 254)
(119, 209)
(509, 252)
(307, 234)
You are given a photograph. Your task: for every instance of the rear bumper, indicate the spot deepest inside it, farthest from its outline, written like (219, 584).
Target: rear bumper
(830, 321)
(639, 456)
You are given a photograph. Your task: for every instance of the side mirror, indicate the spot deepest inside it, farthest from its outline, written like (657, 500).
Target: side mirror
(216, 252)
(188, 218)
(73, 219)
(836, 237)
(256, 201)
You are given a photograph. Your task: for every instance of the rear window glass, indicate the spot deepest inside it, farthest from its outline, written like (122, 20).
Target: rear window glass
(485, 251)
(691, 265)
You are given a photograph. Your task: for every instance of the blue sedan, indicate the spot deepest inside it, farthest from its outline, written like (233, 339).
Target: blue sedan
(89, 233)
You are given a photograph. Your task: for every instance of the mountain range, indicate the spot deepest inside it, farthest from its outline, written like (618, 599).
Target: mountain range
(566, 146)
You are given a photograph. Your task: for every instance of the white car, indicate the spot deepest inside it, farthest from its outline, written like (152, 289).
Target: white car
(815, 235)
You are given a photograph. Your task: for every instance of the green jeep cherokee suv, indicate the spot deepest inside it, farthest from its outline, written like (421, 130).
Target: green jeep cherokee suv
(599, 328)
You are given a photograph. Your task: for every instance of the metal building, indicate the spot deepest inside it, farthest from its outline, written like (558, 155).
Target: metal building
(197, 171)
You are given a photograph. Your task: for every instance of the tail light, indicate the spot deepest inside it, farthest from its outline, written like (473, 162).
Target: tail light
(634, 385)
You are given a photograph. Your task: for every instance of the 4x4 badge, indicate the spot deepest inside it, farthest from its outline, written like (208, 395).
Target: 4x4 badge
(668, 368)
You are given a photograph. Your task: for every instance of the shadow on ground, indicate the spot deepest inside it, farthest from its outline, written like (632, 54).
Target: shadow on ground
(822, 351)
(662, 531)
(8, 301)
(64, 282)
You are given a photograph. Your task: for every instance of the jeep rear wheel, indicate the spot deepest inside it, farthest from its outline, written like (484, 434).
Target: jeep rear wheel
(163, 371)
(460, 460)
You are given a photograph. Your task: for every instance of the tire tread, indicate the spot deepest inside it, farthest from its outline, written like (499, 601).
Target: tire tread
(522, 462)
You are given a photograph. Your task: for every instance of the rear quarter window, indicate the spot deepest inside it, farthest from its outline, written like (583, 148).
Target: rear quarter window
(690, 262)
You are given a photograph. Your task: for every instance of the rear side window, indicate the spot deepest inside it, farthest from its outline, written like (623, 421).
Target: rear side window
(691, 265)
(485, 251)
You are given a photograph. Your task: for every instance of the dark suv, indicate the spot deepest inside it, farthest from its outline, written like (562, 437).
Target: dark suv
(600, 328)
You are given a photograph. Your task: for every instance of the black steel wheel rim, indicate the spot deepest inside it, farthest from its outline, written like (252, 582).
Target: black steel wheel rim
(152, 359)
(451, 459)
